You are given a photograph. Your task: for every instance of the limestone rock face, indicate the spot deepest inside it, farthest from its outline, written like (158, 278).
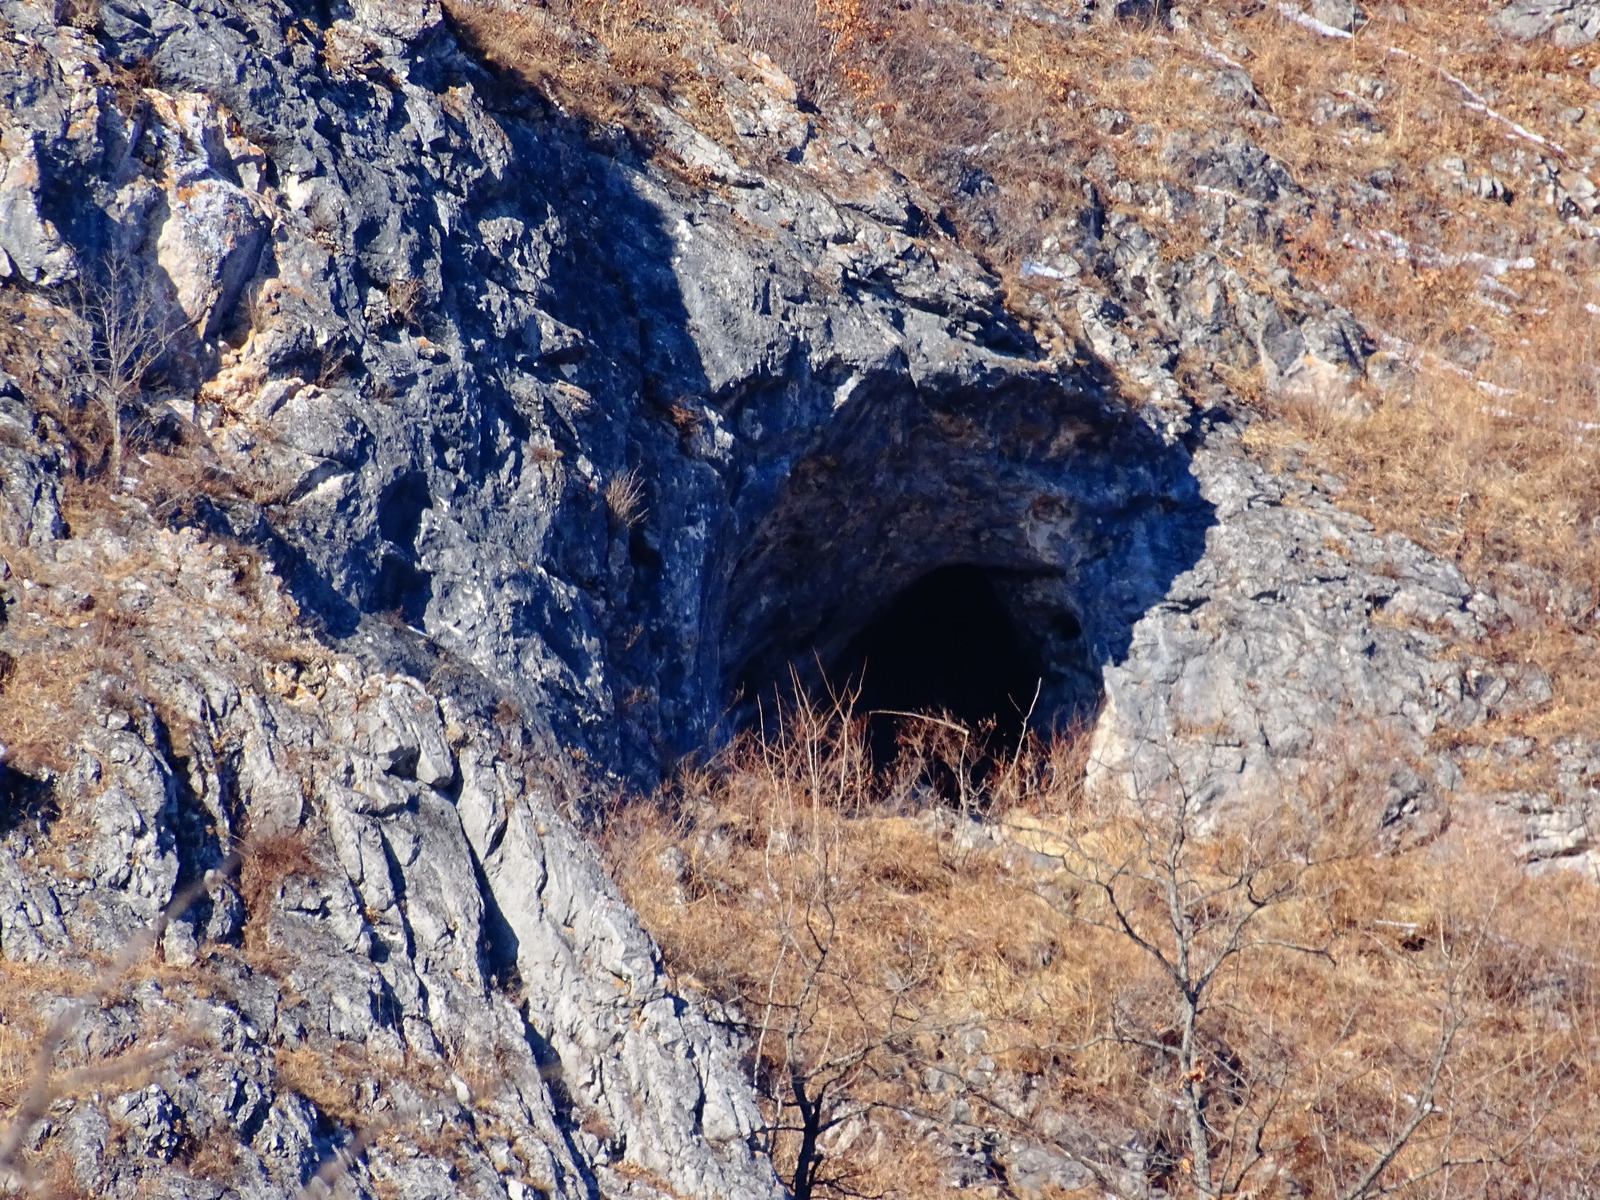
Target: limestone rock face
(1568, 23)
(1275, 640)
(552, 450)
(401, 869)
(470, 323)
(30, 503)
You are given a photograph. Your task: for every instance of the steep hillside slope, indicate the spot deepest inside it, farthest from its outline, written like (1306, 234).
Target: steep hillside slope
(418, 429)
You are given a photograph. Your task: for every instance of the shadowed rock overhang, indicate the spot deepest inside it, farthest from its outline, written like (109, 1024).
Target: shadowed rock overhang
(985, 551)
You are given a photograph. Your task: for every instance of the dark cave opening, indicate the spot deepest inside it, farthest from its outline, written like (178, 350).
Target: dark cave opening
(945, 645)
(402, 586)
(984, 553)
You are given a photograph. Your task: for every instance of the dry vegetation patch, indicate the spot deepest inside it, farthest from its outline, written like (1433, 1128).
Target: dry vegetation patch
(1270, 1008)
(266, 861)
(590, 56)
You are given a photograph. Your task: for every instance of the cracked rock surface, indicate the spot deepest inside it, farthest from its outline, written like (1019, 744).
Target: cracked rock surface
(356, 974)
(548, 453)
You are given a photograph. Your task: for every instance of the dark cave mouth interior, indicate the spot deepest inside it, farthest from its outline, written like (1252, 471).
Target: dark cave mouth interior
(946, 646)
(978, 555)
(996, 650)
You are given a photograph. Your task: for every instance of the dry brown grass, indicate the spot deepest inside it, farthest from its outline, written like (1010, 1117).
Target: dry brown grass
(23, 986)
(16, 1045)
(331, 1080)
(345, 1082)
(1489, 462)
(883, 968)
(214, 1160)
(590, 56)
(40, 1065)
(75, 630)
(40, 718)
(624, 496)
(36, 350)
(88, 628)
(820, 43)
(266, 860)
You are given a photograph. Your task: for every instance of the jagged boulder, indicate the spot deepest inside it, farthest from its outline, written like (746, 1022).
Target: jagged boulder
(1568, 23)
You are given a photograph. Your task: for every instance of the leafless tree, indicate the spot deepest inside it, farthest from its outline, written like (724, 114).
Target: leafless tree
(819, 1077)
(126, 326)
(1203, 908)
(1451, 1102)
(1192, 913)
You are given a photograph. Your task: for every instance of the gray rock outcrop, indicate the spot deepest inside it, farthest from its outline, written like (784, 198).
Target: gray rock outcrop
(544, 446)
(419, 950)
(1568, 23)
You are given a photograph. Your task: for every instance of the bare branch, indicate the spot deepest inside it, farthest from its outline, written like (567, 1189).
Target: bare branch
(127, 326)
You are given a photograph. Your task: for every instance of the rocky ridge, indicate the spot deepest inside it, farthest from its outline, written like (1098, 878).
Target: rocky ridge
(557, 435)
(420, 947)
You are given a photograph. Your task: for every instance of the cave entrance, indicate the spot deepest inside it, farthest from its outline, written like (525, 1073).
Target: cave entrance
(946, 645)
(981, 546)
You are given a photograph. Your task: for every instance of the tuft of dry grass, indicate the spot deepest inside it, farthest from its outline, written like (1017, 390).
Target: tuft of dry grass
(818, 43)
(266, 860)
(624, 495)
(40, 721)
(405, 298)
(215, 1160)
(331, 1080)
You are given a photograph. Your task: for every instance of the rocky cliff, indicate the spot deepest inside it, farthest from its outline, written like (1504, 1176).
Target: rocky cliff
(498, 456)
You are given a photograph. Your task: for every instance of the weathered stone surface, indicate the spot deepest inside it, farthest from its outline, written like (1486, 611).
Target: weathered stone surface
(817, 390)
(1569, 23)
(442, 331)
(1274, 648)
(384, 939)
(30, 484)
(30, 246)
